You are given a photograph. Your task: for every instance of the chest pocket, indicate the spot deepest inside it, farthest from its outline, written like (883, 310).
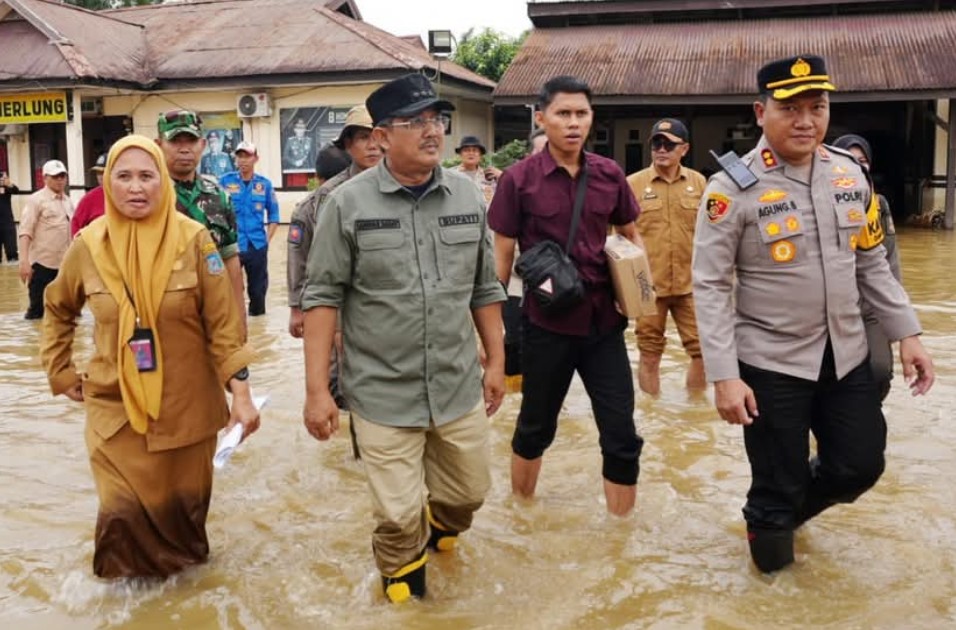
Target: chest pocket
(181, 298)
(381, 262)
(102, 304)
(781, 239)
(689, 202)
(459, 251)
(850, 218)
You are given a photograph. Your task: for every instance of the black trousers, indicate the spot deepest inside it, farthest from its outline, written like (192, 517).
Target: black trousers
(788, 488)
(548, 362)
(256, 264)
(511, 314)
(8, 235)
(42, 276)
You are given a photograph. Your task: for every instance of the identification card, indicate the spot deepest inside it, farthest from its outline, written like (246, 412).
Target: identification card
(144, 352)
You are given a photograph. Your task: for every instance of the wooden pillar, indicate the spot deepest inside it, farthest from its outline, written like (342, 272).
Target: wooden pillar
(950, 167)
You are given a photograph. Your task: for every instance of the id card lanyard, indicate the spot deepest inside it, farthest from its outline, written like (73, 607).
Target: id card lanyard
(142, 343)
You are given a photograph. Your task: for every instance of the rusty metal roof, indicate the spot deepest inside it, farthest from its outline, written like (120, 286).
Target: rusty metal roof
(183, 45)
(902, 55)
(67, 42)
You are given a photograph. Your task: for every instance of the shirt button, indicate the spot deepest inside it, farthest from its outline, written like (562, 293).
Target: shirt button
(430, 311)
(425, 276)
(421, 241)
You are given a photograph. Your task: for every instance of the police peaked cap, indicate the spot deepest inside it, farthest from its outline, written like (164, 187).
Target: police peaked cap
(785, 78)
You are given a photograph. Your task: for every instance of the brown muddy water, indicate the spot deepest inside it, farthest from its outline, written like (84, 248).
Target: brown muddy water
(290, 518)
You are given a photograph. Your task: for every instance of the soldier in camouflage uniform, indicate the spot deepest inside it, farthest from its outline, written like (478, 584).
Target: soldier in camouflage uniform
(200, 197)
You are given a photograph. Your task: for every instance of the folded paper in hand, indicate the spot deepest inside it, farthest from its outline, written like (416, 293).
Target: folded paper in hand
(229, 441)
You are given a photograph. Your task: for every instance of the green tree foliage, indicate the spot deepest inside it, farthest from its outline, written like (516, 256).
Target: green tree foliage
(502, 158)
(488, 53)
(99, 5)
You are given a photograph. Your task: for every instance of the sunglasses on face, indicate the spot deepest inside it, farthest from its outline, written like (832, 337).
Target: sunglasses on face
(662, 143)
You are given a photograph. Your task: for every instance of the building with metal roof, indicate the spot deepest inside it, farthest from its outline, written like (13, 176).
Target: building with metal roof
(892, 61)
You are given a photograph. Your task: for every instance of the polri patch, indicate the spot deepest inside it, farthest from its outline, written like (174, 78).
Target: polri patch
(717, 207)
(214, 264)
(459, 219)
(295, 233)
(363, 225)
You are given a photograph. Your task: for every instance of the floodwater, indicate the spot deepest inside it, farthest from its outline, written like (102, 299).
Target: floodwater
(290, 518)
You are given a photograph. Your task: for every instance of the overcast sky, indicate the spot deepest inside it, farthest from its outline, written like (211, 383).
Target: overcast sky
(420, 16)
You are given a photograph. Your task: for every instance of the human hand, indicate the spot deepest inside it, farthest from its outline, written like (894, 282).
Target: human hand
(320, 416)
(26, 271)
(243, 412)
(735, 401)
(493, 388)
(75, 393)
(918, 371)
(296, 322)
(492, 173)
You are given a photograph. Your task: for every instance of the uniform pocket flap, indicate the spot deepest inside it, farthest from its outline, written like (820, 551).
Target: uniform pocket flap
(460, 234)
(851, 217)
(380, 239)
(182, 280)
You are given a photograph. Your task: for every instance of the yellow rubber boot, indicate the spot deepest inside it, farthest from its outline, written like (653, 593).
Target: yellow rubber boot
(441, 538)
(407, 582)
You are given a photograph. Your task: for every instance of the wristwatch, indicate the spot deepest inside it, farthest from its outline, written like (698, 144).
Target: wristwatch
(242, 374)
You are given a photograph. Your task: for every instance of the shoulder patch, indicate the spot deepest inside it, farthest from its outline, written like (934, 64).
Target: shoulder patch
(295, 233)
(717, 207)
(214, 264)
(208, 248)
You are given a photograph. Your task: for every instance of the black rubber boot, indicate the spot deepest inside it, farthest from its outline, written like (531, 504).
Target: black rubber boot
(771, 549)
(440, 538)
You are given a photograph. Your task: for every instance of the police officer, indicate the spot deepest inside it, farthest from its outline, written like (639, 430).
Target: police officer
(780, 265)
(881, 351)
(200, 197)
(215, 162)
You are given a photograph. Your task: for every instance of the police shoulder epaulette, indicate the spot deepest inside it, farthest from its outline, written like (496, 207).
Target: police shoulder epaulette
(843, 152)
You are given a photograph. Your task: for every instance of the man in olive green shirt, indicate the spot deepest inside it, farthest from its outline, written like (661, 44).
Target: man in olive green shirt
(404, 251)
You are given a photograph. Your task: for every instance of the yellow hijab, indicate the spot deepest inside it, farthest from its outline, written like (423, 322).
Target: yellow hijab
(135, 258)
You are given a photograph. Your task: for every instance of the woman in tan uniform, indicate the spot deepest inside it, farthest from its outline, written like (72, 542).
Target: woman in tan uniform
(167, 339)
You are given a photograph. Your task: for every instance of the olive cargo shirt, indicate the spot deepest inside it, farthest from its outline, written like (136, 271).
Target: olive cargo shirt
(667, 222)
(799, 271)
(406, 274)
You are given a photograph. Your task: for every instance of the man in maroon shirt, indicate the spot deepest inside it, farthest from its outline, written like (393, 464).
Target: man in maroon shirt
(534, 202)
(93, 203)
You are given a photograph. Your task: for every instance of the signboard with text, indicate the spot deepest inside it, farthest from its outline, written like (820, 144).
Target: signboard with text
(46, 107)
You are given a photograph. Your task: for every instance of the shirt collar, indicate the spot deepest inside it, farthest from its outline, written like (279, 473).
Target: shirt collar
(549, 165)
(388, 184)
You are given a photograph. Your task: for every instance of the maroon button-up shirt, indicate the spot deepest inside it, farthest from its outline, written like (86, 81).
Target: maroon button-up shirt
(534, 202)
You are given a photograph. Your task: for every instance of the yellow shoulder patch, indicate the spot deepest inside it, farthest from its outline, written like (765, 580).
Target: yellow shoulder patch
(208, 248)
(871, 234)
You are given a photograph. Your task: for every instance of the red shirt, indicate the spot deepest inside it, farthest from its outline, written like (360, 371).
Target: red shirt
(534, 202)
(91, 206)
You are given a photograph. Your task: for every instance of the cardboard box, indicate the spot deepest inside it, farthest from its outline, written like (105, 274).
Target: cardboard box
(631, 274)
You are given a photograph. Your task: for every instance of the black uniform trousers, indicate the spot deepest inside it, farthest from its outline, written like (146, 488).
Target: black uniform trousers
(548, 362)
(788, 488)
(8, 232)
(256, 263)
(42, 276)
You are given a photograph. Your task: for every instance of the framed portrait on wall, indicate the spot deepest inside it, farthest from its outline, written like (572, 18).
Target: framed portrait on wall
(223, 134)
(304, 131)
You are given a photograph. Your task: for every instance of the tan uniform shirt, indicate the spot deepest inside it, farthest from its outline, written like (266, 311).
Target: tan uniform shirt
(46, 220)
(799, 273)
(666, 223)
(200, 332)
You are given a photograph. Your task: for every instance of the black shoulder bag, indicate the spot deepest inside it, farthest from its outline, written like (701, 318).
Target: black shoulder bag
(547, 270)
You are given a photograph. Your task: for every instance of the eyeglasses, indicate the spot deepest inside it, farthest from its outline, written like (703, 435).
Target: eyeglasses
(660, 143)
(418, 123)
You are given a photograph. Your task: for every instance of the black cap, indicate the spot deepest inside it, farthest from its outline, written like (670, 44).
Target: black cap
(672, 129)
(331, 161)
(100, 164)
(405, 96)
(788, 77)
(470, 141)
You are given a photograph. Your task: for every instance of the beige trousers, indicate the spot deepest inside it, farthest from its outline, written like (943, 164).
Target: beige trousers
(445, 466)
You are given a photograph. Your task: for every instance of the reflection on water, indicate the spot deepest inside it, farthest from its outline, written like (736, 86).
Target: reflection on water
(290, 519)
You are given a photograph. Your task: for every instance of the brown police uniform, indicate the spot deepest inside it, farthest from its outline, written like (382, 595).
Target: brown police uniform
(666, 223)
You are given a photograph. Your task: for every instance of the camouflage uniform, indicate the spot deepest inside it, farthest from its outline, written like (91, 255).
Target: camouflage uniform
(204, 201)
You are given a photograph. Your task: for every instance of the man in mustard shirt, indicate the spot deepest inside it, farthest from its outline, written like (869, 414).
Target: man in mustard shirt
(668, 194)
